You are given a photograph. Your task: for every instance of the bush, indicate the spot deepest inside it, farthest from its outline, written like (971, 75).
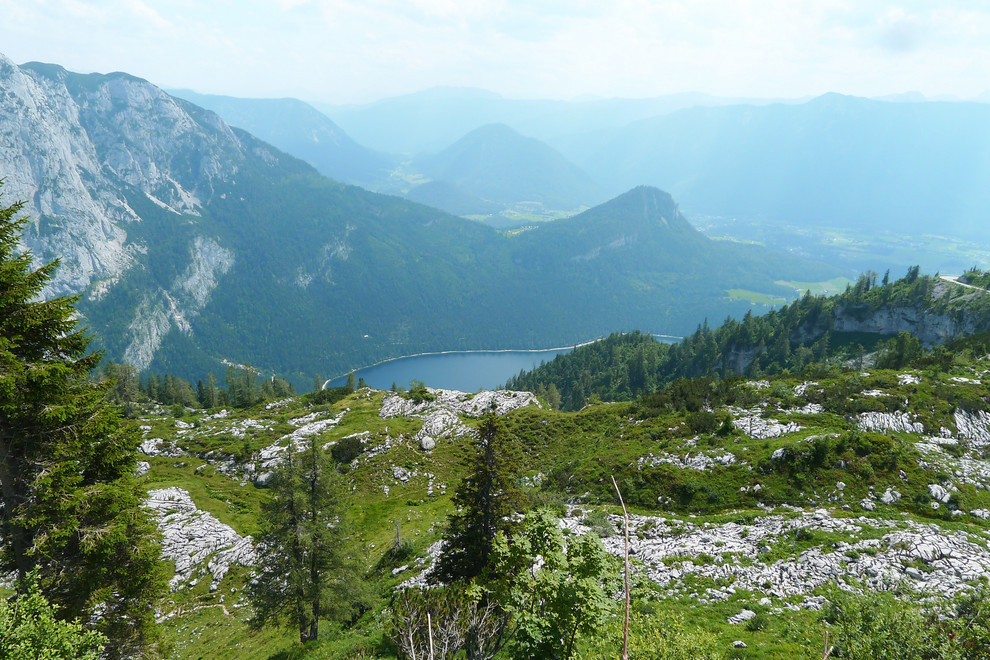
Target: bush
(703, 421)
(656, 635)
(346, 450)
(328, 396)
(878, 626)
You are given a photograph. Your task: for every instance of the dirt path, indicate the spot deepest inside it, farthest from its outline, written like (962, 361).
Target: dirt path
(955, 280)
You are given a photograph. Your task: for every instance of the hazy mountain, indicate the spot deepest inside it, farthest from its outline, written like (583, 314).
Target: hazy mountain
(427, 121)
(300, 129)
(497, 164)
(452, 199)
(194, 244)
(836, 160)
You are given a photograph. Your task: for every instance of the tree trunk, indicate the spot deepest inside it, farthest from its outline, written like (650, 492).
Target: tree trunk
(11, 499)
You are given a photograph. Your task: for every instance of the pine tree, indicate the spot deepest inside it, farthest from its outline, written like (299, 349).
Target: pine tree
(69, 506)
(304, 572)
(486, 500)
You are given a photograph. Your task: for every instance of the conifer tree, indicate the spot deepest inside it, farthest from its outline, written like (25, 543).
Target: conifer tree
(305, 574)
(485, 499)
(69, 505)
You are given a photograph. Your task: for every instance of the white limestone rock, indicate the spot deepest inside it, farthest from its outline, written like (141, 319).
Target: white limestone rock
(459, 403)
(194, 539)
(272, 456)
(880, 422)
(745, 615)
(752, 423)
(974, 427)
(939, 493)
(700, 462)
(890, 496)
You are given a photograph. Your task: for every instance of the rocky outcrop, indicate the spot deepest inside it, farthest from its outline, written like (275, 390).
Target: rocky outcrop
(440, 413)
(731, 553)
(459, 403)
(879, 422)
(197, 542)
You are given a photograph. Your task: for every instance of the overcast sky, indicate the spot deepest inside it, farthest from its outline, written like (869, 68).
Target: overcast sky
(352, 51)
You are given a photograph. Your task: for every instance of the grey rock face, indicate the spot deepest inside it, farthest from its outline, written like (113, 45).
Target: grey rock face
(79, 149)
(440, 416)
(195, 540)
(879, 422)
(953, 558)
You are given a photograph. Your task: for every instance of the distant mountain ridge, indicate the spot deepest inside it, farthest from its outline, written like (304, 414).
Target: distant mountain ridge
(497, 164)
(196, 245)
(836, 160)
(303, 131)
(429, 120)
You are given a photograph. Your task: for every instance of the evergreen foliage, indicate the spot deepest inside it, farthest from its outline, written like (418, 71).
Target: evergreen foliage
(485, 500)
(790, 339)
(305, 572)
(70, 507)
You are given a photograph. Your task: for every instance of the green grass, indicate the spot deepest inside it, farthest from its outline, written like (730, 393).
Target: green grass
(577, 454)
(755, 297)
(827, 287)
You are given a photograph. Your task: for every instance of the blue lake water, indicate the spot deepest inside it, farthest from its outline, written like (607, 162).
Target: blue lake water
(467, 371)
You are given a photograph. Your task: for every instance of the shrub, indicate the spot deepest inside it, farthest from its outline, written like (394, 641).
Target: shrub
(346, 450)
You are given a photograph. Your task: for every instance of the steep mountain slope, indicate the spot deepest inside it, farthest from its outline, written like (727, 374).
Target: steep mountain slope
(299, 129)
(498, 164)
(836, 160)
(196, 244)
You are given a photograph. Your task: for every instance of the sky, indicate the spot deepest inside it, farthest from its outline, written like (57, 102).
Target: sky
(358, 51)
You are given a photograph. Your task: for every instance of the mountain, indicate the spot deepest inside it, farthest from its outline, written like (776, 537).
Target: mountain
(195, 245)
(429, 120)
(299, 129)
(497, 164)
(834, 161)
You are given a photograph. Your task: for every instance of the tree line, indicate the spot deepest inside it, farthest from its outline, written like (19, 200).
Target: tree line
(791, 339)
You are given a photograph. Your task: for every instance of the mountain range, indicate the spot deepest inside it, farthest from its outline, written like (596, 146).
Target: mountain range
(195, 244)
(836, 161)
(300, 129)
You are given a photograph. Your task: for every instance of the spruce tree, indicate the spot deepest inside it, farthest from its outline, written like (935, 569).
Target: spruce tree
(305, 574)
(69, 505)
(486, 500)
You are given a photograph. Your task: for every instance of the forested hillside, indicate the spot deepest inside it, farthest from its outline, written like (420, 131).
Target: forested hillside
(809, 330)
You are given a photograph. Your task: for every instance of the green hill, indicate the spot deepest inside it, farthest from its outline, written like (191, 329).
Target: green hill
(810, 330)
(746, 495)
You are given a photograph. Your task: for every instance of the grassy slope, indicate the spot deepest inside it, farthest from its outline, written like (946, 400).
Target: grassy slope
(576, 453)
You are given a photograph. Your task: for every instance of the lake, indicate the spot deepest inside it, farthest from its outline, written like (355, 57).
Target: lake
(467, 371)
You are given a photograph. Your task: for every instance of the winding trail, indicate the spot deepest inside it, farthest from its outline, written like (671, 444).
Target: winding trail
(955, 280)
